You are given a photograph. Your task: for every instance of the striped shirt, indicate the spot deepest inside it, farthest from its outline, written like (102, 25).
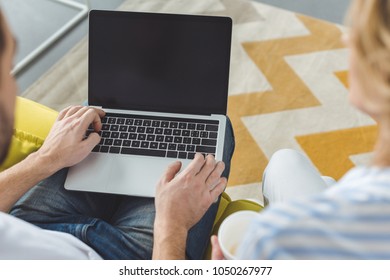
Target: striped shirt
(350, 220)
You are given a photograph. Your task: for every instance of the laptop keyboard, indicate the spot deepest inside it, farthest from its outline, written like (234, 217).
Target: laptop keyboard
(156, 136)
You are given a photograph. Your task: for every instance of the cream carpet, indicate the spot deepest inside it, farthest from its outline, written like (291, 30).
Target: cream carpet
(288, 88)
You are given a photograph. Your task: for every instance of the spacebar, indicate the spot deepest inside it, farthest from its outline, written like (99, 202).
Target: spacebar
(143, 152)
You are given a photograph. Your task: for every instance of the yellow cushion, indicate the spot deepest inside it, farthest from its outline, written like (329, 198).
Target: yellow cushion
(32, 124)
(228, 207)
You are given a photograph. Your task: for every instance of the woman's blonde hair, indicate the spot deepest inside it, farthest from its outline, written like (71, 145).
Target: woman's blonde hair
(369, 22)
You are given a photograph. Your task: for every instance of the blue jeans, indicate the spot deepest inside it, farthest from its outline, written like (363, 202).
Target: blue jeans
(115, 226)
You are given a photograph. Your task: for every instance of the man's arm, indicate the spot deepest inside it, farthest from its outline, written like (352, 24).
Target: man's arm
(65, 146)
(182, 200)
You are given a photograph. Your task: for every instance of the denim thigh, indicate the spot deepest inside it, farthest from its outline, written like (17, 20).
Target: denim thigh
(88, 217)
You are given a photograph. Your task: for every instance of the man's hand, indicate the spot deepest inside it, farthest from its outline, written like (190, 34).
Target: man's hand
(182, 200)
(66, 144)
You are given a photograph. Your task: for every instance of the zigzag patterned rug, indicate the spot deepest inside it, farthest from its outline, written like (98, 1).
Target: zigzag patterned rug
(288, 89)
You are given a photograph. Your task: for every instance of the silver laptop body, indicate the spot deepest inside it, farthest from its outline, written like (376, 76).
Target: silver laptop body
(162, 79)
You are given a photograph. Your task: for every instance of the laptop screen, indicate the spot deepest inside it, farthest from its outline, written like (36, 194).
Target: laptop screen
(159, 62)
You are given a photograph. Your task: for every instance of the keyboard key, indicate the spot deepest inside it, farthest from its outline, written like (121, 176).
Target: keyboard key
(132, 129)
(114, 134)
(194, 133)
(183, 125)
(160, 138)
(186, 133)
(205, 149)
(172, 147)
(187, 140)
(105, 127)
(115, 150)
(111, 121)
(126, 143)
(114, 127)
(209, 142)
(123, 128)
(190, 148)
(96, 148)
(150, 130)
(210, 127)
(213, 135)
(204, 134)
(117, 142)
(137, 122)
(163, 146)
(169, 139)
(178, 140)
(120, 121)
(129, 121)
(191, 126)
(141, 137)
(108, 142)
(172, 154)
(147, 123)
(196, 141)
(155, 123)
(151, 137)
(106, 134)
(124, 135)
(164, 124)
(135, 144)
(159, 131)
(143, 152)
(104, 149)
(167, 131)
(132, 136)
(173, 125)
(183, 155)
(191, 155)
(181, 147)
(104, 120)
(200, 126)
(141, 129)
(177, 132)
(154, 145)
(144, 144)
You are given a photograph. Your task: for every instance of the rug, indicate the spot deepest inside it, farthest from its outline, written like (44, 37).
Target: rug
(288, 89)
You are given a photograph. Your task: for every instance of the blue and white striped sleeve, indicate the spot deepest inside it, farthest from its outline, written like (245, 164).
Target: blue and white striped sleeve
(323, 227)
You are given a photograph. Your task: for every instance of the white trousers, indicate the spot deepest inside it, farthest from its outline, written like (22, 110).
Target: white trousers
(290, 175)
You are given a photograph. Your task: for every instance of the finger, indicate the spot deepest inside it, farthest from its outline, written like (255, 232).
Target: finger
(91, 141)
(90, 116)
(195, 166)
(72, 110)
(62, 114)
(97, 122)
(207, 168)
(215, 176)
(171, 172)
(216, 252)
(218, 190)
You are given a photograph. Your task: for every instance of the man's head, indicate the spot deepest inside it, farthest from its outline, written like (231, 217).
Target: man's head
(8, 87)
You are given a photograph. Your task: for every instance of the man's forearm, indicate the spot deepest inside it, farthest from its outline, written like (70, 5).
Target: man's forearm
(17, 180)
(169, 243)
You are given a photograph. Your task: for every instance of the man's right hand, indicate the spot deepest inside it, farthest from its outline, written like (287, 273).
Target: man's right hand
(66, 144)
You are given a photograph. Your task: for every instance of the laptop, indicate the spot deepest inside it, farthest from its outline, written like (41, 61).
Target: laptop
(162, 80)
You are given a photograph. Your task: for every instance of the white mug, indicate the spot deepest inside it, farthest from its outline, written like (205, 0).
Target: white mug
(232, 231)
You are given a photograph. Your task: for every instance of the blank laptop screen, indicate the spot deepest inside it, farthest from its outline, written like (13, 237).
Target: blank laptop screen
(159, 62)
